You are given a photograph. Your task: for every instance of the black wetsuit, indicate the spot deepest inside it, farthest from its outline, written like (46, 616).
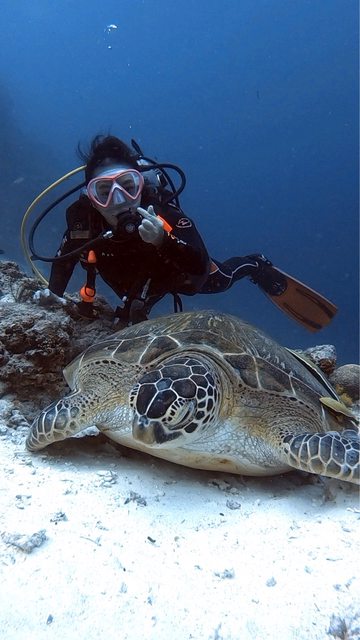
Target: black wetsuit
(136, 270)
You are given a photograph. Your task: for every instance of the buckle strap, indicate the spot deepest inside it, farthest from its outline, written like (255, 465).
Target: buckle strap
(178, 305)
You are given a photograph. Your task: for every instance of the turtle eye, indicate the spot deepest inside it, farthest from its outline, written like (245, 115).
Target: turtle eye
(180, 413)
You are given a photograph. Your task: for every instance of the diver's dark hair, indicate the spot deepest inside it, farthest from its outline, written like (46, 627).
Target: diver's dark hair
(105, 150)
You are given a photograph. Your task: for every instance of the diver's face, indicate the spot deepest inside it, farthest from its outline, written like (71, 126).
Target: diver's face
(115, 190)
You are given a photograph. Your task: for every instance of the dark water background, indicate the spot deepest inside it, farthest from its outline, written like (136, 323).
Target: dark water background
(257, 100)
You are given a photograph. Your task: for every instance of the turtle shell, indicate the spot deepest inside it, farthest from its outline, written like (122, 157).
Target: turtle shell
(255, 359)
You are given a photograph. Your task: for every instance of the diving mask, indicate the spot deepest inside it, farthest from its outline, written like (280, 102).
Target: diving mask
(117, 190)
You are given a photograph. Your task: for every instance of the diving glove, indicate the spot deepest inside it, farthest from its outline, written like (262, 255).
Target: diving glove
(46, 298)
(151, 229)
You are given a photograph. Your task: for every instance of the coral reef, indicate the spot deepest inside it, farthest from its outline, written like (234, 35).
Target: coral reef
(37, 342)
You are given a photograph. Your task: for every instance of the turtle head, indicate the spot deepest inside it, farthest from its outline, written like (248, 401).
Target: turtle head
(175, 401)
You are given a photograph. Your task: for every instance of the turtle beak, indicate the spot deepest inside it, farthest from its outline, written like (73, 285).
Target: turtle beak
(143, 430)
(152, 432)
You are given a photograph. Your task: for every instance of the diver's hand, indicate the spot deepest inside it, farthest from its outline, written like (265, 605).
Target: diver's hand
(151, 228)
(46, 298)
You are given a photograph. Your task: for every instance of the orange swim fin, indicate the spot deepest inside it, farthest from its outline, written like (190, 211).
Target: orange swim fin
(297, 300)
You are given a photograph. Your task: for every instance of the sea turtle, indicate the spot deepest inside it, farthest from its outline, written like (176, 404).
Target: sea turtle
(206, 390)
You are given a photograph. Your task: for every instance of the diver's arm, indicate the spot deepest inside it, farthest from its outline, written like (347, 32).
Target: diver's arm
(183, 246)
(179, 245)
(188, 262)
(76, 235)
(62, 270)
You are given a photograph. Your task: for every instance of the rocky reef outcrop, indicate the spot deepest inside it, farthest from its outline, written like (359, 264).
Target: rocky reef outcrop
(37, 342)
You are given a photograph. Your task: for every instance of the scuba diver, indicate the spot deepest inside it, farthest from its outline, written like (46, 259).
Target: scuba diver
(128, 227)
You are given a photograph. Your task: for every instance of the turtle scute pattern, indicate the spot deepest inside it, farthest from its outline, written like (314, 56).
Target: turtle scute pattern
(206, 390)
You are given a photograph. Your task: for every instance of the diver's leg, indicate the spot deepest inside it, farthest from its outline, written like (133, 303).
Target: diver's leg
(219, 279)
(223, 274)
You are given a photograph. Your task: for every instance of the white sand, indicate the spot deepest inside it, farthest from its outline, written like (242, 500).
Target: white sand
(99, 542)
(136, 548)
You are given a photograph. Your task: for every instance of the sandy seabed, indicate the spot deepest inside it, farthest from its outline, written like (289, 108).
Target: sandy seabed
(98, 541)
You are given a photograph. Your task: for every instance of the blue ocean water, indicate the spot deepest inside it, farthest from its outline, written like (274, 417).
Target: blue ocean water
(257, 100)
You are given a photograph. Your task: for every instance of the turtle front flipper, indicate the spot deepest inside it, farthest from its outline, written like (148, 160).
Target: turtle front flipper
(58, 421)
(331, 454)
